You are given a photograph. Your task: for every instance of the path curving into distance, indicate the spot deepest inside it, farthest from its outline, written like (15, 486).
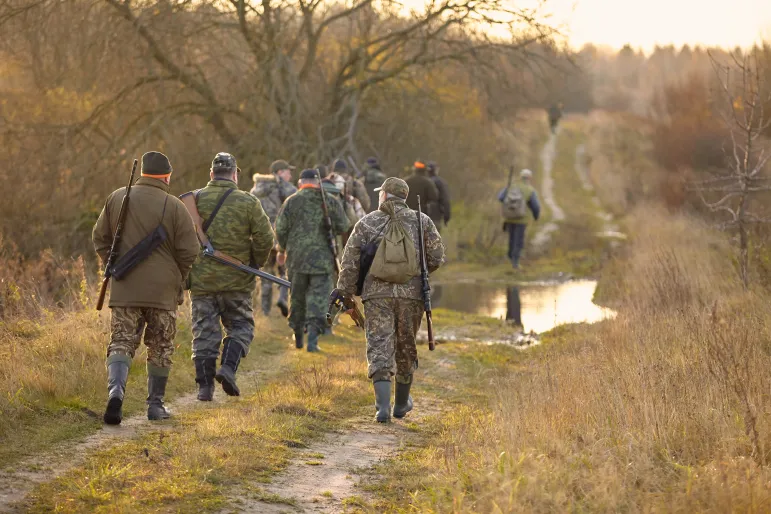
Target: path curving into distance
(544, 232)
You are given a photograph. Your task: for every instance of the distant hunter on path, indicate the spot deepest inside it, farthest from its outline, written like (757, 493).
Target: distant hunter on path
(159, 233)
(272, 190)
(555, 114)
(221, 295)
(516, 198)
(391, 292)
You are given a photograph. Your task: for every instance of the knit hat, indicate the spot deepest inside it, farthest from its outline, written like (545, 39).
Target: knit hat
(340, 165)
(155, 165)
(372, 161)
(395, 186)
(526, 173)
(308, 174)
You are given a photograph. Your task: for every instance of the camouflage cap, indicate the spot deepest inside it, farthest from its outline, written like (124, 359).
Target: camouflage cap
(223, 160)
(395, 186)
(280, 165)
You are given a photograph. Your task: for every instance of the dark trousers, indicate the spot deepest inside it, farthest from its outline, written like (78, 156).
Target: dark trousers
(516, 241)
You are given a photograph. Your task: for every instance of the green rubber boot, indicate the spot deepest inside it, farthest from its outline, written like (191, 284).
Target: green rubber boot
(402, 400)
(383, 400)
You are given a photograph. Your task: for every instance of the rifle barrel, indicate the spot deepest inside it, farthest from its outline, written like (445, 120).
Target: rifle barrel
(116, 239)
(424, 280)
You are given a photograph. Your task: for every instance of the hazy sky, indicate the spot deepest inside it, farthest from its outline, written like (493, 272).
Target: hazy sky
(644, 23)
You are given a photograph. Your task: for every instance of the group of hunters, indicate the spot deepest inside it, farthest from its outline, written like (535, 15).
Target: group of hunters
(155, 246)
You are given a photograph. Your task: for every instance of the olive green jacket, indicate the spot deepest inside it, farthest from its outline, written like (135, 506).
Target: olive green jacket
(241, 229)
(158, 280)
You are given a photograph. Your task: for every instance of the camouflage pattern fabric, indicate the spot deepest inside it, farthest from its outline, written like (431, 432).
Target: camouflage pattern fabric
(300, 232)
(271, 191)
(371, 227)
(158, 325)
(392, 324)
(212, 312)
(308, 302)
(241, 230)
(266, 286)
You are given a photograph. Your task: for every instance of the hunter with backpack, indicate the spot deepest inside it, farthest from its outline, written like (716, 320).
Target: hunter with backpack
(516, 199)
(392, 290)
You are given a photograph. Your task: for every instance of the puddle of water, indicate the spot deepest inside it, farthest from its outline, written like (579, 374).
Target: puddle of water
(536, 307)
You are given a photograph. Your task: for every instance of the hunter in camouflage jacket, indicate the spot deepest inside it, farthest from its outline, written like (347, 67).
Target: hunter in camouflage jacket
(300, 231)
(241, 229)
(372, 226)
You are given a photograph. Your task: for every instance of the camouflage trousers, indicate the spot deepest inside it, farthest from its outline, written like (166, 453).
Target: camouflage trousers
(309, 300)
(391, 326)
(213, 312)
(127, 324)
(266, 286)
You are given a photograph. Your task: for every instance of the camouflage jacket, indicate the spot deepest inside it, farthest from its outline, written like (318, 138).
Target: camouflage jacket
(241, 229)
(300, 231)
(371, 227)
(272, 191)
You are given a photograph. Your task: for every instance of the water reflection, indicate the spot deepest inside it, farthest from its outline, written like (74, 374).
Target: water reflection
(538, 307)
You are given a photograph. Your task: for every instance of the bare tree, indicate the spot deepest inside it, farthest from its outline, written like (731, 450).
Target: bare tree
(743, 95)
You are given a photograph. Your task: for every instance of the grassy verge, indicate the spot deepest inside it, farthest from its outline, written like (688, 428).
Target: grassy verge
(663, 409)
(231, 442)
(53, 379)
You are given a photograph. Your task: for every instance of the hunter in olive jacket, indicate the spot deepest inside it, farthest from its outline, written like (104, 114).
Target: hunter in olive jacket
(241, 229)
(158, 280)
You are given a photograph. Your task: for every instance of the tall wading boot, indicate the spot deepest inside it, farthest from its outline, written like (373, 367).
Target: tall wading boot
(117, 375)
(383, 400)
(231, 357)
(299, 335)
(156, 390)
(313, 339)
(402, 400)
(204, 377)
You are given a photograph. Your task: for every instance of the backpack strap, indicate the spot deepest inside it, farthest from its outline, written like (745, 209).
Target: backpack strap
(207, 223)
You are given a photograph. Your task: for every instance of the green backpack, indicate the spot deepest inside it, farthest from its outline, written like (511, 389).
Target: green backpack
(396, 259)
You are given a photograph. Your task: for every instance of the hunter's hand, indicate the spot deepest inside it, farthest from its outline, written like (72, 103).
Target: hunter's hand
(281, 258)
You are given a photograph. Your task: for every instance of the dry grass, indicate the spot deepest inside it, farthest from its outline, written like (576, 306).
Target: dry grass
(220, 446)
(663, 409)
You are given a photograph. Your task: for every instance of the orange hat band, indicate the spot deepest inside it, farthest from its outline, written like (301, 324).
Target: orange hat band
(155, 176)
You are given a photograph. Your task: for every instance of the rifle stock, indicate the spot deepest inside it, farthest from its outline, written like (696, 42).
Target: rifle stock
(116, 240)
(424, 280)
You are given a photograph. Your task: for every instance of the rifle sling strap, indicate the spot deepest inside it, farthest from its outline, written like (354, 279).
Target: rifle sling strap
(208, 222)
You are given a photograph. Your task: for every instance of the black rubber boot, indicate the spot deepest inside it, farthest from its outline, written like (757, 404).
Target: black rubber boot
(283, 307)
(299, 335)
(204, 377)
(313, 339)
(402, 400)
(231, 357)
(383, 400)
(117, 375)
(156, 390)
